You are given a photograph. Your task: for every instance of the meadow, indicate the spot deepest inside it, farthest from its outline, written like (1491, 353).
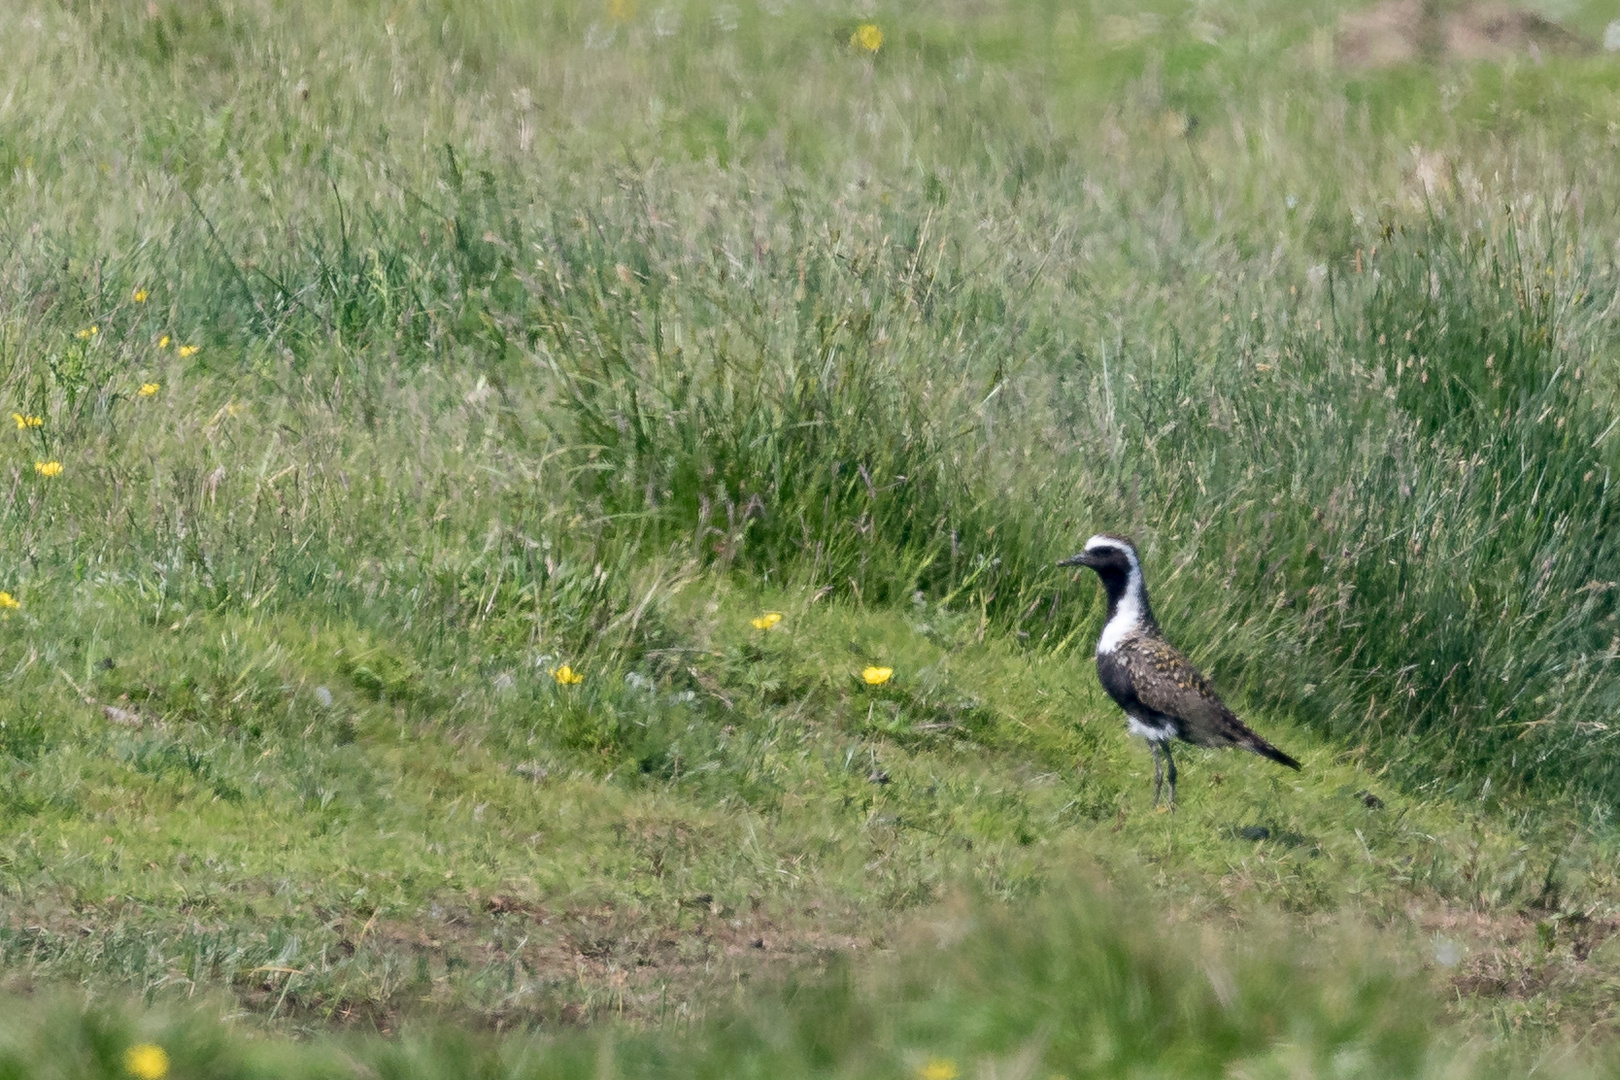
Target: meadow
(461, 458)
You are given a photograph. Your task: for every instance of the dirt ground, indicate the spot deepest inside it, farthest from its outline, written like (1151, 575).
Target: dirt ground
(1401, 31)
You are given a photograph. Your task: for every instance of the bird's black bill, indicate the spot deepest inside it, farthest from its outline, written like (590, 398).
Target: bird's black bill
(1076, 560)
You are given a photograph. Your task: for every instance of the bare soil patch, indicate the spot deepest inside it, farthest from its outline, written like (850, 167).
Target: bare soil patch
(1404, 31)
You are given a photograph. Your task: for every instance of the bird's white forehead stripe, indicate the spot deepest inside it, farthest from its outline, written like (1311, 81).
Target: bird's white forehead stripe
(1102, 540)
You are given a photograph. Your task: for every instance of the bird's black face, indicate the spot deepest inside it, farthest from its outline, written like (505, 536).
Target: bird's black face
(1114, 559)
(1107, 556)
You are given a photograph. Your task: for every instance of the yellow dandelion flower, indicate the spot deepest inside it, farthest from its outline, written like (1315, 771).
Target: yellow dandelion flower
(163, 342)
(48, 468)
(767, 620)
(877, 676)
(9, 602)
(621, 11)
(88, 332)
(939, 1069)
(567, 676)
(140, 296)
(188, 350)
(867, 36)
(24, 422)
(148, 389)
(148, 1061)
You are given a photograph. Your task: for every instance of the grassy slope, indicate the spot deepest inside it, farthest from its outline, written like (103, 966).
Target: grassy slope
(528, 337)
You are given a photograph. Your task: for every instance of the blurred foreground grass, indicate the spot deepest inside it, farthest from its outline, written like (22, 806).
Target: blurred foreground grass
(1074, 985)
(369, 366)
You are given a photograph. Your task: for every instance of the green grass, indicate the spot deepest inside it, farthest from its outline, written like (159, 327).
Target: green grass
(1077, 985)
(529, 334)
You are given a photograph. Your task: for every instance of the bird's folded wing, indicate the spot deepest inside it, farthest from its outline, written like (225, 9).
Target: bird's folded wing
(1166, 682)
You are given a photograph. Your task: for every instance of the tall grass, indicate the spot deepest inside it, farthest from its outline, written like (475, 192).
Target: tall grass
(1394, 525)
(1411, 506)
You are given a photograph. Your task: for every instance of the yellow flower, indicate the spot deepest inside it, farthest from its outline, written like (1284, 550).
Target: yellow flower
(148, 389)
(567, 676)
(9, 602)
(939, 1069)
(621, 11)
(767, 620)
(48, 468)
(877, 676)
(163, 342)
(140, 296)
(27, 421)
(188, 350)
(88, 332)
(867, 36)
(147, 1061)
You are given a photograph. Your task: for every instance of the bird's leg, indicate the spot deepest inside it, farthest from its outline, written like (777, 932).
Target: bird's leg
(1158, 771)
(1171, 762)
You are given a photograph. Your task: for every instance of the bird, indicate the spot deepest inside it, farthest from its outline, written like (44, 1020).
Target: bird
(1164, 697)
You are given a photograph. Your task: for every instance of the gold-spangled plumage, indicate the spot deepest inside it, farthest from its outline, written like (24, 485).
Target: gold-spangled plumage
(1166, 682)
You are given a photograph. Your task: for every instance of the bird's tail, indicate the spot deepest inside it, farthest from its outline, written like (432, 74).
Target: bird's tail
(1266, 750)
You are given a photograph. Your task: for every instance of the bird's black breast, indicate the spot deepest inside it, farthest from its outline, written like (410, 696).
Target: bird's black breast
(1122, 673)
(1115, 675)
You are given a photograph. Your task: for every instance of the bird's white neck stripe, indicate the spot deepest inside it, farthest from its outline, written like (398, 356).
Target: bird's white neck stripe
(1127, 617)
